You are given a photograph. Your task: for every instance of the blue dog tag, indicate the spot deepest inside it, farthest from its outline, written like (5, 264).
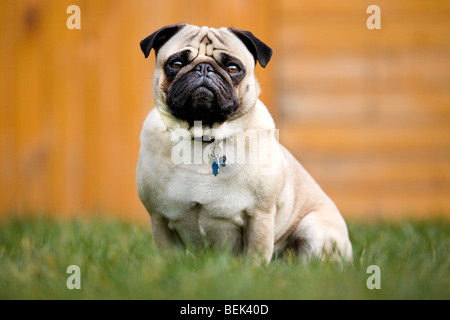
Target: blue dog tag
(218, 159)
(216, 162)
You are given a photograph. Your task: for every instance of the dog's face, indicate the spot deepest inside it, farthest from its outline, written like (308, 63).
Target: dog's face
(205, 74)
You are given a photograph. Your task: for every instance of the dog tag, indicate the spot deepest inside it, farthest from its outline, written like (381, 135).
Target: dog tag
(217, 162)
(217, 159)
(215, 166)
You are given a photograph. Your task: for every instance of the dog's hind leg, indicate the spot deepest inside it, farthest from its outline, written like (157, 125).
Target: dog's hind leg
(323, 235)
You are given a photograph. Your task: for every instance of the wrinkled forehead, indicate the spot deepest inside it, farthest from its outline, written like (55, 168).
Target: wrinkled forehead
(205, 41)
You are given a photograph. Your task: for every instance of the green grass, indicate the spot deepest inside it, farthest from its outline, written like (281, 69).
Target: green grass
(119, 261)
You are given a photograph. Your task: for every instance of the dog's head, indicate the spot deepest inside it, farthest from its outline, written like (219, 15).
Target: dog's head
(205, 74)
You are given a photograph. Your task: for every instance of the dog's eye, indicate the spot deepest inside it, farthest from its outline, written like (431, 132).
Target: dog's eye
(176, 64)
(232, 68)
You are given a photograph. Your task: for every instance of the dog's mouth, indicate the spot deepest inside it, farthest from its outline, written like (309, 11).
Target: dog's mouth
(209, 99)
(202, 98)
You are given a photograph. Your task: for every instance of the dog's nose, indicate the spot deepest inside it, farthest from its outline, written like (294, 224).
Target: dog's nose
(203, 69)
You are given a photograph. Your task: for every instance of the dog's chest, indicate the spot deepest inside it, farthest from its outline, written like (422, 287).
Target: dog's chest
(207, 209)
(219, 198)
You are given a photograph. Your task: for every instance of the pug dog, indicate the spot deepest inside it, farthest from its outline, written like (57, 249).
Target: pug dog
(195, 175)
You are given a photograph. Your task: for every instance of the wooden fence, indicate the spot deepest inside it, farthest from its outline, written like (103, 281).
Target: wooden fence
(366, 111)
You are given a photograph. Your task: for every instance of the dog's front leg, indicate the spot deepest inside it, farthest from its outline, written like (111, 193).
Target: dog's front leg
(163, 236)
(259, 234)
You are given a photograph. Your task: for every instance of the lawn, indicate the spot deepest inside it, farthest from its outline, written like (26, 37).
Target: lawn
(118, 260)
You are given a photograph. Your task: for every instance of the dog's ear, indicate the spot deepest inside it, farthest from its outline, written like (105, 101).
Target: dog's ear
(158, 38)
(261, 52)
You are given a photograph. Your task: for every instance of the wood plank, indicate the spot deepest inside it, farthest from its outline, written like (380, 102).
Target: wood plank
(401, 6)
(8, 130)
(390, 206)
(406, 69)
(405, 171)
(364, 139)
(385, 109)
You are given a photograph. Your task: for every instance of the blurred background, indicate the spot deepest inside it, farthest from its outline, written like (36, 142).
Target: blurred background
(367, 112)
